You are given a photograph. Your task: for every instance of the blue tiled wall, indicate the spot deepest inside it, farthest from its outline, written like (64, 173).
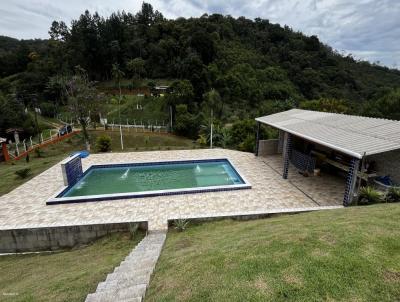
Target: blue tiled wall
(73, 170)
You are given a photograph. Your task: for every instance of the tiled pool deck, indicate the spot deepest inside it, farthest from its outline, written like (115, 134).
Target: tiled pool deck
(25, 207)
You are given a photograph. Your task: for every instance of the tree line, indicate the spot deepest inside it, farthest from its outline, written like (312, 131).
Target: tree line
(237, 67)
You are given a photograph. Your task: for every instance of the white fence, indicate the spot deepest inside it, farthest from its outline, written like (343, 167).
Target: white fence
(142, 127)
(15, 149)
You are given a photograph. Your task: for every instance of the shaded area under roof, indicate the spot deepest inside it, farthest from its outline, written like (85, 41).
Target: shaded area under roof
(353, 135)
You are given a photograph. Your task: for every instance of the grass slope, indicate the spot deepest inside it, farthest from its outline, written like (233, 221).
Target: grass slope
(350, 254)
(143, 141)
(63, 276)
(52, 154)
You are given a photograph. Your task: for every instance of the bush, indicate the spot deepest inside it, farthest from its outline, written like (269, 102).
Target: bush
(181, 224)
(23, 173)
(133, 227)
(103, 143)
(369, 195)
(393, 195)
(39, 152)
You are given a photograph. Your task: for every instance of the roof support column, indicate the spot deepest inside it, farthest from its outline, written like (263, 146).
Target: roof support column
(351, 181)
(257, 138)
(287, 152)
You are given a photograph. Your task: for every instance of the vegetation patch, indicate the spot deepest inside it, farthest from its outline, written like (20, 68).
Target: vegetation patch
(62, 276)
(349, 254)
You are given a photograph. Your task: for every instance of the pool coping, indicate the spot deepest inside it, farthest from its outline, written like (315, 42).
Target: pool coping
(55, 199)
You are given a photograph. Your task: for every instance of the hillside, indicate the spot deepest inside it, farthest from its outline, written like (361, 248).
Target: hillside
(348, 254)
(254, 66)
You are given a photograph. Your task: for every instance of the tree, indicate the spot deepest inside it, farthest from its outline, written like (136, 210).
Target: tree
(118, 74)
(186, 123)
(136, 67)
(180, 92)
(83, 99)
(387, 106)
(327, 105)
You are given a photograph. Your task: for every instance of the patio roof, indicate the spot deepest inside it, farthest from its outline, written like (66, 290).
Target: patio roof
(353, 135)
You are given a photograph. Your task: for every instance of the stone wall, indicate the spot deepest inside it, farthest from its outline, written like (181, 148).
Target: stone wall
(387, 163)
(56, 238)
(268, 147)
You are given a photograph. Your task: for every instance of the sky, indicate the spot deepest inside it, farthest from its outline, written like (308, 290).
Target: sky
(367, 29)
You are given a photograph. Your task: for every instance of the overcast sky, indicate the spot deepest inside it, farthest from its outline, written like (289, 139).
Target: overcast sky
(368, 29)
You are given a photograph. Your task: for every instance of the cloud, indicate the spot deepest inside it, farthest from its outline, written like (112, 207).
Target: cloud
(368, 29)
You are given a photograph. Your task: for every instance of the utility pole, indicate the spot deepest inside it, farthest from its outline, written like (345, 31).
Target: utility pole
(170, 114)
(119, 114)
(211, 131)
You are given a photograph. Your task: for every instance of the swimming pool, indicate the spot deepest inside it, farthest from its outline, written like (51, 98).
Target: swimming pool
(117, 181)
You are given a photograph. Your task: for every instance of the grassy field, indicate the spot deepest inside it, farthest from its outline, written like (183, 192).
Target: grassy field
(138, 109)
(51, 155)
(139, 141)
(54, 153)
(350, 254)
(63, 276)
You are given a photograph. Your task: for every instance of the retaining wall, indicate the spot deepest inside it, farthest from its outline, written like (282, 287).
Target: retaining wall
(56, 238)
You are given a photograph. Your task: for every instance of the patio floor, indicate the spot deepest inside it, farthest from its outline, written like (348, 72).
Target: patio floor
(25, 207)
(324, 190)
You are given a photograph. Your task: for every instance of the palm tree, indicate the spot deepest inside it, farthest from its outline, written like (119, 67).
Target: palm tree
(117, 74)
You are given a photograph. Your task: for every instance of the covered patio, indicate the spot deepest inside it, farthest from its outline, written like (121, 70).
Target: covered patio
(328, 155)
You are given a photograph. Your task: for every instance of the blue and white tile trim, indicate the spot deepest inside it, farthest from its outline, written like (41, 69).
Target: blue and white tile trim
(287, 156)
(72, 170)
(350, 181)
(302, 162)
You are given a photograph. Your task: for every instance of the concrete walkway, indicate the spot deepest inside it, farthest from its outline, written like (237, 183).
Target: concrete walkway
(129, 281)
(25, 207)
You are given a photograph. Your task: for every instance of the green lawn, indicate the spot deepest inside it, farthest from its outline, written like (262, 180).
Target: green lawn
(52, 154)
(142, 141)
(350, 254)
(63, 276)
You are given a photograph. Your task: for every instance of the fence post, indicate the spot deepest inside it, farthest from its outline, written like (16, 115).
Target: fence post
(16, 148)
(25, 145)
(30, 138)
(41, 137)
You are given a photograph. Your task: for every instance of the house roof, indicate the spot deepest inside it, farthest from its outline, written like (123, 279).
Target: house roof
(353, 135)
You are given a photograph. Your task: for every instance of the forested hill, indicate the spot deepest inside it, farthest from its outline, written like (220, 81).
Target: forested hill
(251, 63)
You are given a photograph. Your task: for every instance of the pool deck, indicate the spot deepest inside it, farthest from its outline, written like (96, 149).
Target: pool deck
(25, 207)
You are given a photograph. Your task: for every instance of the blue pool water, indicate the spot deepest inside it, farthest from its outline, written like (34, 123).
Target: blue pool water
(154, 179)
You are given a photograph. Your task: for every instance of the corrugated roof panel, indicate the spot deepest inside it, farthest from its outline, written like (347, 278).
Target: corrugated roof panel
(353, 135)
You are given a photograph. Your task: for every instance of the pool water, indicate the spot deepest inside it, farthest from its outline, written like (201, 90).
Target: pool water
(114, 179)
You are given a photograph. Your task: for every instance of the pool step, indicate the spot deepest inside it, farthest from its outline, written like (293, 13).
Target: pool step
(128, 282)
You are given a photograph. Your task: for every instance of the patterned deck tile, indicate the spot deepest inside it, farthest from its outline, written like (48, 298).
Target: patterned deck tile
(25, 207)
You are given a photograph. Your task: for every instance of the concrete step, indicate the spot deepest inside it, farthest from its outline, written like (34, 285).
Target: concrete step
(115, 276)
(128, 282)
(123, 281)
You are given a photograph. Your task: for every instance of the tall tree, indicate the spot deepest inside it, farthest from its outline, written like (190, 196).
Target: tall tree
(83, 99)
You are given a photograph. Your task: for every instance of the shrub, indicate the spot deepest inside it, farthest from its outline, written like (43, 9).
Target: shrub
(103, 143)
(393, 195)
(133, 227)
(181, 224)
(369, 195)
(23, 173)
(38, 152)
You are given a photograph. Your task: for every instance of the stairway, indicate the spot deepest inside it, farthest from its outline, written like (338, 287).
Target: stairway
(129, 281)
